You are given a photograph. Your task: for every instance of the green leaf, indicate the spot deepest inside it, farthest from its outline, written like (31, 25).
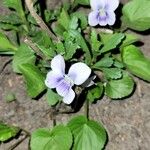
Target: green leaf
(112, 73)
(6, 26)
(52, 97)
(73, 24)
(9, 97)
(49, 53)
(129, 39)
(121, 88)
(15, 4)
(24, 55)
(41, 38)
(60, 48)
(58, 29)
(95, 43)
(34, 79)
(118, 64)
(82, 43)
(70, 46)
(5, 44)
(7, 132)
(82, 19)
(59, 138)
(111, 41)
(64, 19)
(136, 15)
(12, 18)
(95, 93)
(88, 134)
(82, 2)
(136, 62)
(104, 62)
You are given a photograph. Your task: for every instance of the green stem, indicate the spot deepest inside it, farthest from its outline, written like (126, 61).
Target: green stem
(53, 116)
(87, 109)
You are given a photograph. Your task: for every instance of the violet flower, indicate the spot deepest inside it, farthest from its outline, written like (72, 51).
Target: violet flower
(56, 78)
(103, 12)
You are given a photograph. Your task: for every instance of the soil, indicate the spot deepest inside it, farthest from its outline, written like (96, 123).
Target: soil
(127, 121)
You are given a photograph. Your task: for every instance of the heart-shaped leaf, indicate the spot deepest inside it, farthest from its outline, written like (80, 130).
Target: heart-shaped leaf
(60, 138)
(88, 134)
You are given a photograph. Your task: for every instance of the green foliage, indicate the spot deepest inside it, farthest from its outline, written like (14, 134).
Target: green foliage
(104, 62)
(5, 44)
(34, 79)
(12, 19)
(95, 43)
(23, 55)
(9, 97)
(87, 134)
(60, 138)
(136, 15)
(77, 42)
(120, 88)
(82, 19)
(129, 39)
(15, 4)
(82, 2)
(7, 132)
(111, 41)
(95, 93)
(52, 98)
(136, 62)
(64, 19)
(82, 43)
(112, 73)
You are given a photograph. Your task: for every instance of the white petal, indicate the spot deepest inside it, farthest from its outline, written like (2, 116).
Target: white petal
(97, 4)
(111, 18)
(58, 64)
(69, 97)
(92, 18)
(53, 79)
(79, 73)
(112, 4)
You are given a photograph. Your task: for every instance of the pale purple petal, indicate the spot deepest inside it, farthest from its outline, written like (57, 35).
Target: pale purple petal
(111, 18)
(53, 79)
(79, 73)
(112, 4)
(69, 97)
(58, 64)
(102, 22)
(97, 4)
(92, 18)
(63, 88)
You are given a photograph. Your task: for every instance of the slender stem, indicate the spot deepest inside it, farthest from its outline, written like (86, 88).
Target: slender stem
(87, 109)
(40, 22)
(20, 141)
(53, 115)
(34, 47)
(16, 144)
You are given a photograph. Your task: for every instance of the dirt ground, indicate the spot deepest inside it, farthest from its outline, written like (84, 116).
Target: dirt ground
(127, 121)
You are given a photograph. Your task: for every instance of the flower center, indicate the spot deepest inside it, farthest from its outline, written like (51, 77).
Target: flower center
(102, 12)
(68, 80)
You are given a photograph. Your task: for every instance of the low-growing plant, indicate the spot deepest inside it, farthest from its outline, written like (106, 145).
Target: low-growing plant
(74, 57)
